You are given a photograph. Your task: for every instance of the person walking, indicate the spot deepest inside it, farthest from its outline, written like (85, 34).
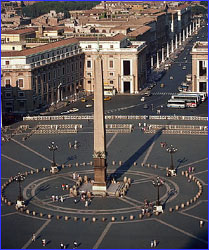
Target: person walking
(61, 245)
(43, 242)
(33, 237)
(75, 244)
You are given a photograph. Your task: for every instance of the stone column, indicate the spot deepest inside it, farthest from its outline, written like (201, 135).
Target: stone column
(176, 42)
(180, 38)
(187, 32)
(172, 49)
(99, 185)
(158, 64)
(190, 30)
(152, 62)
(163, 59)
(183, 35)
(167, 50)
(193, 27)
(196, 24)
(199, 22)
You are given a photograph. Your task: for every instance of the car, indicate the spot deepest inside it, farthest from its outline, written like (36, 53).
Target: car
(73, 110)
(171, 77)
(146, 106)
(142, 99)
(185, 58)
(89, 105)
(65, 112)
(184, 67)
(107, 98)
(162, 85)
(83, 100)
(147, 93)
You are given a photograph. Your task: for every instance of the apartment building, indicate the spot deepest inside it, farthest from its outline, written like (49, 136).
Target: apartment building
(124, 63)
(32, 78)
(200, 67)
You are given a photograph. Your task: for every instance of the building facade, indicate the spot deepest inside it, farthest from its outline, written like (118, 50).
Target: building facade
(200, 67)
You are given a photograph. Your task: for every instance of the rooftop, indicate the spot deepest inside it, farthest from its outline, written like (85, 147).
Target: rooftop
(19, 31)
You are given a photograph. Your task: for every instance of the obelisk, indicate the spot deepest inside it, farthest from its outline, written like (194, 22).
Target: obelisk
(99, 186)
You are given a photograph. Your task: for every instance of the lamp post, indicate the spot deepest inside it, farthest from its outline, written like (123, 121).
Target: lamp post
(171, 150)
(20, 177)
(52, 148)
(157, 183)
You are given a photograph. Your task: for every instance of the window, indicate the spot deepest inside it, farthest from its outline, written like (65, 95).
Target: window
(49, 76)
(13, 48)
(7, 62)
(63, 70)
(202, 68)
(22, 104)
(89, 82)
(88, 64)
(111, 82)
(80, 64)
(7, 85)
(88, 74)
(89, 47)
(126, 68)
(111, 73)
(21, 94)
(44, 77)
(100, 46)
(20, 83)
(54, 73)
(111, 64)
(8, 94)
(111, 46)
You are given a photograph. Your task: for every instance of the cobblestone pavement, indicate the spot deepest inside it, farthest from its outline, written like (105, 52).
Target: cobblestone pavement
(108, 222)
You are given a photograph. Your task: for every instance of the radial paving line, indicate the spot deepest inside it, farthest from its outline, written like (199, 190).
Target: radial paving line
(133, 200)
(110, 141)
(189, 164)
(24, 146)
(3, 215)
(99, 241)
(181, 231)
(21, 163)
(195, 217)
(37, 233)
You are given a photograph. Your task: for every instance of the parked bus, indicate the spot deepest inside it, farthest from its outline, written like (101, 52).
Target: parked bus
(109, 90)
(180, 104)
(187, 96)
(203, 95)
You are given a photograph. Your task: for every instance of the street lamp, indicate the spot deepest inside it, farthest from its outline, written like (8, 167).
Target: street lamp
(20, 177)
(52, 148)
(171, 150)
(157, 183)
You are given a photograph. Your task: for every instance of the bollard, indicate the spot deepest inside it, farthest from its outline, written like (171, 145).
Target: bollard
(182, 173)
(135, 163)
(122, 218)
(120, 163)
(77, 164)
(69, 165)
(177, 207)
(49, 216)
(142, 164)
(113, 163)
(182, 205)
(191, 201)
(44, 169)
(75, 218)
(84, 219)
(9, 203)
(187, 203)
(148, 214)
(41, 214)
(129, 181)
(104, 194)
(131, 217)
(148, 165)
(94, 219)
(103, 219)
(33, 213)
(66, 218)
(194, 199)
(27, 211)
(157, 213)
(117, 194)
(155, 166)
(113, 218)
(84, 164)
(37, 170)
(170, 209)
(91, 163)
(125, 179)
(201, 223)
(140, 216)
(31, 171)
(63, 165)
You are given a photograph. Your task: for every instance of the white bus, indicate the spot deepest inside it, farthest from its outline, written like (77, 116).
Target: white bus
(180, 104)
(109, 90)
(187, 96)
(203, 95)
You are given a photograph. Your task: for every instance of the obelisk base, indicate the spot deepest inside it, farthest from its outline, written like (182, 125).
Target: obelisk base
(99, 186)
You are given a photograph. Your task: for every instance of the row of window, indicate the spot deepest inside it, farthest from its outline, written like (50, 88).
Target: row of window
(90, 82)
(19, 83)
(90, 74)
(100, 46)
(89, 64)
(9, 94)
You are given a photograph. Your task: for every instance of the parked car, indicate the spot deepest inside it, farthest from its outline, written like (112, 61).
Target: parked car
(107, 98)
(74, 110)
(89, 105)
(146, 106)
(142, 99)
(147, 93)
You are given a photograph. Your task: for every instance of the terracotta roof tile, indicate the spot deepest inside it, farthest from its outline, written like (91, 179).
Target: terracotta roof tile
(139, 31)
(20, 31)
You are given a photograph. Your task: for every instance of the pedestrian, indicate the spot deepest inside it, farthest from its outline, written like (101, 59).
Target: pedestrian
(75, 244)
(43, 242)
(67, 186)
(61, 199)
(75, 201)
(190, 169)
(74, 176)
(33, 237)
(201, 223)
(61, 245)
(63, 187)
(53, 198)
(152, 243)
(86, 204)
(57, 198)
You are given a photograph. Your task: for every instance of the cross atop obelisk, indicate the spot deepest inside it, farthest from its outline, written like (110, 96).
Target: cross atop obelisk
(99, 185)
